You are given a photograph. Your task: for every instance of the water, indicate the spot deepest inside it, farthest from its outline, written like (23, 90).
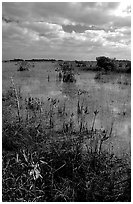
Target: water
(111, 99)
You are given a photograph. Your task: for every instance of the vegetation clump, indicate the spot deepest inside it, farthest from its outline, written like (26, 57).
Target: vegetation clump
(67, 72)
(24, 66)
(105, 63)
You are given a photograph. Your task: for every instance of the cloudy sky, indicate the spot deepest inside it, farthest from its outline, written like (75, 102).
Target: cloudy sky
(66, 30)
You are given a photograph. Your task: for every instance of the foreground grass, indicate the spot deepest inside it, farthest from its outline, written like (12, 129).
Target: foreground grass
(41, 164)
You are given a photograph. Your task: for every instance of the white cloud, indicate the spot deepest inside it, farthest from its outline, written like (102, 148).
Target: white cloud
(66, 29)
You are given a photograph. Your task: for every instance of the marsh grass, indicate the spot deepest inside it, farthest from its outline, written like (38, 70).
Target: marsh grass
(43, 164)
(106, 77)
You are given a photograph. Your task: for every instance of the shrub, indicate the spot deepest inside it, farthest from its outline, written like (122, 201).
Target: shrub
(106, 63)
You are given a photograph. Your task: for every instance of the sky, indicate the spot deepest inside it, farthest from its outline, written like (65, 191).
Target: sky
(66, 30)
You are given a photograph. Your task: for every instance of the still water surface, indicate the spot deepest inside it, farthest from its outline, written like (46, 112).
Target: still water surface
(111, 99)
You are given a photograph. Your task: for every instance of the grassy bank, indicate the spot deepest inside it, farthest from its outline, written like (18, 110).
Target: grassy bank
(41, 163)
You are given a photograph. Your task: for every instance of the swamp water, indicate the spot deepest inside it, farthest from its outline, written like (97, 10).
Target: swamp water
(111, 98)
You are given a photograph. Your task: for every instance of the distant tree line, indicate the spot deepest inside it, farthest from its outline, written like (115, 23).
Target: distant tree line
(102, 63)
(30, 60)
(16, 60)
(42, 60)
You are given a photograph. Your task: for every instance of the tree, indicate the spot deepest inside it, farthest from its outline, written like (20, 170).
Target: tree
(105, 63)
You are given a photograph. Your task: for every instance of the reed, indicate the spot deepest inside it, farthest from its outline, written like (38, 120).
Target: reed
(17, 99)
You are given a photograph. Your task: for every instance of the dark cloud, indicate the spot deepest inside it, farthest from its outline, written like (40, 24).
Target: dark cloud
(77, 28)
(9, 20)
(83, 13)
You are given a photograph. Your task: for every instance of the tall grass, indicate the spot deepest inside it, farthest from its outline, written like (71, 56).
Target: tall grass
(42, 164)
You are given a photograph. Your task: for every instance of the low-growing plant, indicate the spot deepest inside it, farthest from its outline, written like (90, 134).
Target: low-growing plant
(41, 164)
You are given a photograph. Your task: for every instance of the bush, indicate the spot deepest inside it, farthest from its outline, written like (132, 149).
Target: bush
(106, 63)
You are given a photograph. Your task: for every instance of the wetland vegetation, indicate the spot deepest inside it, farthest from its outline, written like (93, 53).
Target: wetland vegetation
(65, 141)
